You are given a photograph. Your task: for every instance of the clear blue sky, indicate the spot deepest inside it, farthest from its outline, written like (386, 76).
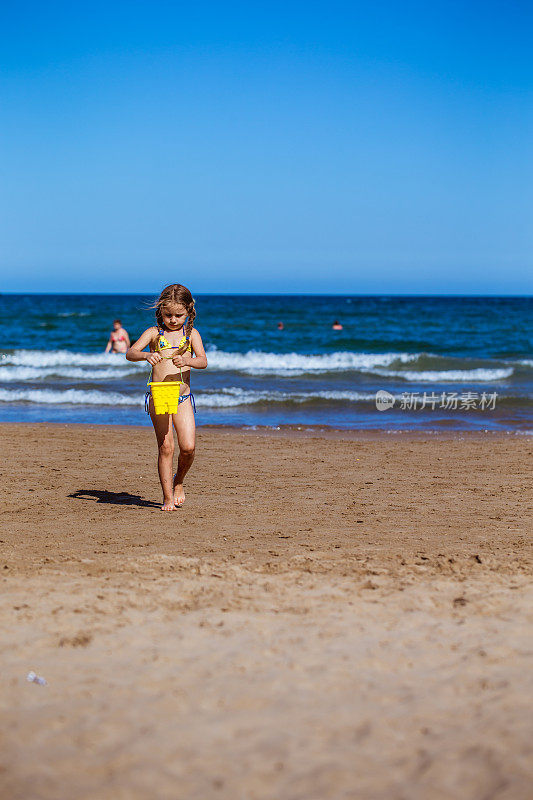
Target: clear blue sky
(278, 147)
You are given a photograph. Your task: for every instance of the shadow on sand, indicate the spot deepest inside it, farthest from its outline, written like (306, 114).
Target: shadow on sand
(113, 498)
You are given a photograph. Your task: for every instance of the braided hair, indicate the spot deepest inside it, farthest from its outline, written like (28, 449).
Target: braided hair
(179, 295)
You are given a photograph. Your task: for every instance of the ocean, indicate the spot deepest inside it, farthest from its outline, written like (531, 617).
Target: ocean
(445, 363)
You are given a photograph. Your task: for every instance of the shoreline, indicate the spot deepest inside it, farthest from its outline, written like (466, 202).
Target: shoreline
(322, 430)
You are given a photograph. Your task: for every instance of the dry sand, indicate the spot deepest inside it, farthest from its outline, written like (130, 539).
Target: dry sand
(329, 616)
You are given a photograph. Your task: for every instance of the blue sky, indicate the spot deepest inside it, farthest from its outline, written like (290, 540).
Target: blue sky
(276, 147)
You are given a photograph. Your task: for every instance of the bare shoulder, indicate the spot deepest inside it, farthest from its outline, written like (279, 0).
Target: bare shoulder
(153, 333)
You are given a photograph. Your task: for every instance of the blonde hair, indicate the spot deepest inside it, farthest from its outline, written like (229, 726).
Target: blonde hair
(178, 295)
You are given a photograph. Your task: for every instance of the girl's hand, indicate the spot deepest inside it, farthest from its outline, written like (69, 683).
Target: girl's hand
(153, 358)
(181, 360)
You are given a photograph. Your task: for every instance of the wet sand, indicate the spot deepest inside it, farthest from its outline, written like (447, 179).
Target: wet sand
(328, 616)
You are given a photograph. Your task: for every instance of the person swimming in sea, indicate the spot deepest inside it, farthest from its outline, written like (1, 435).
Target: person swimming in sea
(119, 341)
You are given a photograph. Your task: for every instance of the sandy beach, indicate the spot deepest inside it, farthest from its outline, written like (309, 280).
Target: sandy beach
(328, 616)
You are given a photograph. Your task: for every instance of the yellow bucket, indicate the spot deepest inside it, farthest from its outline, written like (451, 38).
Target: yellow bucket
(166, 395)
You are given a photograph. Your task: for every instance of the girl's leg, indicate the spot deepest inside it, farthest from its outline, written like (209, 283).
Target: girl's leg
(186, 431)
(165, 443)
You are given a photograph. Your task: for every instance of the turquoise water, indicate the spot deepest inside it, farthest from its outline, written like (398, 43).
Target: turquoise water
(476, 350)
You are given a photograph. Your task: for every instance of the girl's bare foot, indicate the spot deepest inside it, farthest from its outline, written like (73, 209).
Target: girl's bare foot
(168, 505)
(179, 494)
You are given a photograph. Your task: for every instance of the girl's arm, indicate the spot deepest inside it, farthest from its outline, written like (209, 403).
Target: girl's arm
(127, 336)
(135, 352)
(199, 361)
(108, 345)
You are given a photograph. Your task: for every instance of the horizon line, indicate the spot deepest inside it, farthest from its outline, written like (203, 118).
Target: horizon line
(13, 292)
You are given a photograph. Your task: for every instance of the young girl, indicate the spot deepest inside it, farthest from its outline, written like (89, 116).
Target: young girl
(175, 347)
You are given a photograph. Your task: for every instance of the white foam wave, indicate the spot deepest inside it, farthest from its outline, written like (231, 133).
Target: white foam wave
(12, 374)
(256, 362)
(448, 375)
(226, 398)
(229, 397)
(68, 397)
(66, 358)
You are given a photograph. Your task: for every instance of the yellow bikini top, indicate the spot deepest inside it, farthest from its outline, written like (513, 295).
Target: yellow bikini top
(163, 343)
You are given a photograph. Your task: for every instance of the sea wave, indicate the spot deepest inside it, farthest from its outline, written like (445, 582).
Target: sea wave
(13, 374)
(224, 398)
(91, 397)
(227, 397)
(448, 375)
(258, 362)
(64, 358)
(252, 362)
(408, 366)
